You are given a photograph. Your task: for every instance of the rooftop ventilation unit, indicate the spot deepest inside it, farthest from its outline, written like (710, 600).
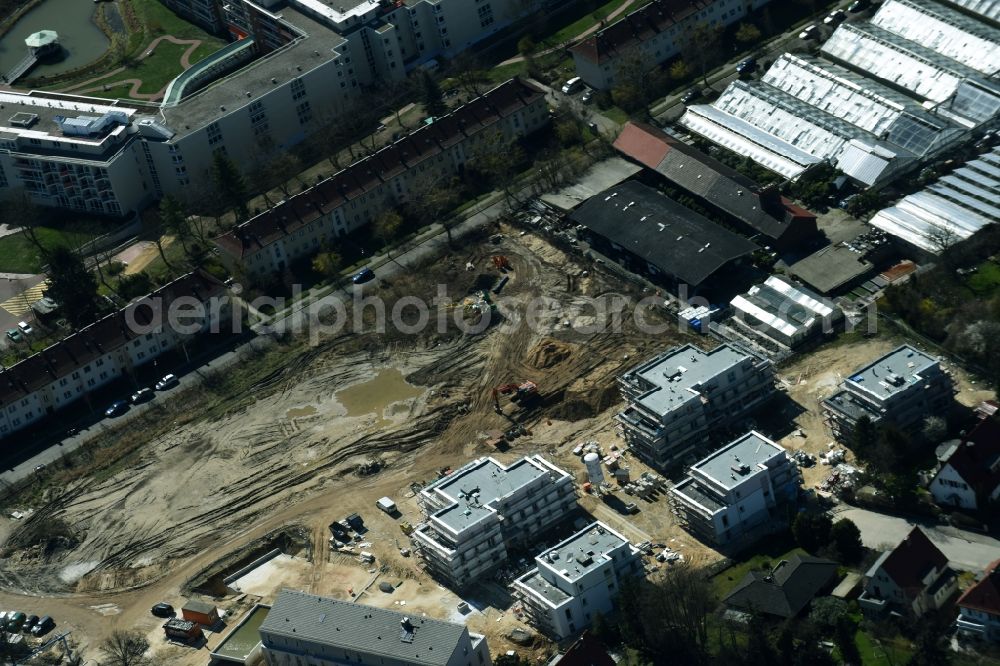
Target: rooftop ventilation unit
(23, 119)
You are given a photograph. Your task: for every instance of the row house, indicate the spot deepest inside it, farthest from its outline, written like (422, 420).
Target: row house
(353, 197)
(110, 348)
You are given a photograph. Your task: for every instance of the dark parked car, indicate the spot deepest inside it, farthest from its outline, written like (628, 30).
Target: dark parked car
(29, 624)
(746, 66)
(690, 96)
(162, 610)
(15, 621)
(44, 626)
(117, 408)
(364, 275)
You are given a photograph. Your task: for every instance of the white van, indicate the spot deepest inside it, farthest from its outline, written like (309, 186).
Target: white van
(572, 86)
(387, 505)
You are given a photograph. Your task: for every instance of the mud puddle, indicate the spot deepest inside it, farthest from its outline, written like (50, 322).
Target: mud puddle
(376, 395)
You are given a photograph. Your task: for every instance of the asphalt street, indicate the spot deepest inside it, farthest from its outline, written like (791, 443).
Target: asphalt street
(965, 550)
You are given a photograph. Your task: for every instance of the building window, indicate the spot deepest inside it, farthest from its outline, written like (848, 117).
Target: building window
(304, 112)
(298, 89)
(214, 133)
(485, 15)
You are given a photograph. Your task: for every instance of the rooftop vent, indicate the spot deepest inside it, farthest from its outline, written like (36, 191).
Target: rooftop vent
(23, 119)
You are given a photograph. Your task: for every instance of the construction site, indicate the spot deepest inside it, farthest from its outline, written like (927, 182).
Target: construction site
(230, 490)
(297, 436)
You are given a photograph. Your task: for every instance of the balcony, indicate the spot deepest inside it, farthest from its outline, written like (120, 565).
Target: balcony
(872, 605)
(969, 626)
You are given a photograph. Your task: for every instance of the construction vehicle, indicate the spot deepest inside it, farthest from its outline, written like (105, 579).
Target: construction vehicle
(501, 263)
(517, 392)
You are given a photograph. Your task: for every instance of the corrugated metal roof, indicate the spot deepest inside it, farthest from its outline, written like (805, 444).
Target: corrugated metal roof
(943, 30)
(743, 138)
(988, 8)
(863, 162)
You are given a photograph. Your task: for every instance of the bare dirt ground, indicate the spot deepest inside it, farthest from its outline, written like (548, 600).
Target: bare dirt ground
(103, 547)
(810, 378)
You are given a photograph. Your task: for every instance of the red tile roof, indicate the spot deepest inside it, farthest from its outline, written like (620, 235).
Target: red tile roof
(96, 340)
(644, 146)
(977, 458)
(367, 174)
(637, 27)
(984, 595)
(910, 562)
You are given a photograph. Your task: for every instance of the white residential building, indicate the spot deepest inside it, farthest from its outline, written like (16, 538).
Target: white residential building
(655, 32)
(110, 348)
(738, 493)
(305, 629)
(979, 606)
(576, 579)
(903, 387)
(969, 475)
(679, 399)
(478, 512)
(785, 312)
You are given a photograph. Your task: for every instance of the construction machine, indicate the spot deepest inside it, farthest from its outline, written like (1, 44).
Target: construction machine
(517, 392)
(501, 263)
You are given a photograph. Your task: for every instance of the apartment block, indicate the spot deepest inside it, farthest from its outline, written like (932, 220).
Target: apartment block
(679, 399)
(902, 388)
(738, 493)
(655, 32)
(304, 629)
(356, 195)
(576, 579)
(110, 348)
(478, 513)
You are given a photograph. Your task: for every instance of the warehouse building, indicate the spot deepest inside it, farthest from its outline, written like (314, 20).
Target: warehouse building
(762, 214)
(784, 312)
(902, 388)
(478, 513)
(653, 235)
(738, 493)
(577, 579)
(949, 210)
(678, 400)
(307, 629)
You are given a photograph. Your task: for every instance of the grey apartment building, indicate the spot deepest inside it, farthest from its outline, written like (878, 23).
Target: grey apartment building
(480, 511)
(902, 388)
(679, 399)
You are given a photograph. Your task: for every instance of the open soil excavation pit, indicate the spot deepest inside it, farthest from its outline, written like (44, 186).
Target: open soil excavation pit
(305, 434)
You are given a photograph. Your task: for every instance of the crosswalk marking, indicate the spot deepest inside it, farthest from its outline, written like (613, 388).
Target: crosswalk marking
(18, 305)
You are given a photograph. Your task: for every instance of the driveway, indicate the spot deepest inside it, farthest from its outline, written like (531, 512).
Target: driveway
(965, 550)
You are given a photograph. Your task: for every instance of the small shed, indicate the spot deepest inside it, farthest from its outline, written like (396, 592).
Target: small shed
(200, 612)
(182, 630)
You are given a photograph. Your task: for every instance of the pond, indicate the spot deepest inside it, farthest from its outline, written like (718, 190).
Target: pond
(81, 39)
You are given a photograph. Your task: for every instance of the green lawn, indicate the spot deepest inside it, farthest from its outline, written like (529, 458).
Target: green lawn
(572, 30)
(884, 653)
(776, 551)
(161, 21)
(986, 280)
(19, 255)
(616, 114)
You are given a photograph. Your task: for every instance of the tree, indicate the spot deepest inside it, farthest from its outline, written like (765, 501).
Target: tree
(469, 74)
(812, 530)
(828, 612)
(20, 212)
(72, 286)
(747, 33)
(568, 132)
(438, 196)
(526, 46)
(701, 48)
(934, 429)
(231, 184)
(386, 226)
(175, 221)
(845, 539)
(124, 648)
(431, 97)
(679, 70)
(328, 264)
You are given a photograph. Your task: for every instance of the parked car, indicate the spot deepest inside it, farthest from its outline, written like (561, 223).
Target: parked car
(44, 626)
(16, 621)
(142, 395)
(364, 275)
(168, 381)
(587, 96)
(835, 17)
(858, 6)
(692, 95)
(162, 610)
(809, 32)
(117, 408)
(25, 327)
(746, 66)
(15, 335)
(29, 624)
(39, 468)
(386, 504)
(572, 86)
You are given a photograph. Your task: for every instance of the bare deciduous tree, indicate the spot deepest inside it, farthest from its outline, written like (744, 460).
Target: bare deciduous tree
(124, 648)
